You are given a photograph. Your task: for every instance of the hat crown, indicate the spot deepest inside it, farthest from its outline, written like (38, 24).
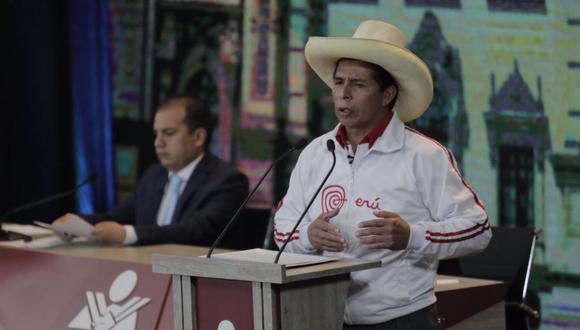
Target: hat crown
(380, 31)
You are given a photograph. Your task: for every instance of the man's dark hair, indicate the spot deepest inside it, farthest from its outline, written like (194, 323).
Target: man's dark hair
(381, 76)
(197, 113)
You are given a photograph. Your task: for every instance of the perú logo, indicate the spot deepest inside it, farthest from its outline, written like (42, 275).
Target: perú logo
(333, 197)
(99, 315)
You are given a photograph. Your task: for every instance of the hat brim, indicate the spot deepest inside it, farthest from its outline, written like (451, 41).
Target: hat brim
(412, 75)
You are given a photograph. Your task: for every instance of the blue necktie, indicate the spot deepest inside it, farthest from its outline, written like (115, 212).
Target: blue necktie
(171, 200)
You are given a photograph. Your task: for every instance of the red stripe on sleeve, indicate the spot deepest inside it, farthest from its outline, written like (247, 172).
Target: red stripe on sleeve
(277, 233)
(454, 233)
(459, 239)
(280, 240)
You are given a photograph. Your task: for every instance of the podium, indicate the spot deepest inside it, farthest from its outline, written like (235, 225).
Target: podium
(227, 294)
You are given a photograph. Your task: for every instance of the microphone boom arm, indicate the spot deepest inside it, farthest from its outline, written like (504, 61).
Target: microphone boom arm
(8, 235)
(47, 199)
(331, 149)
(299, 145)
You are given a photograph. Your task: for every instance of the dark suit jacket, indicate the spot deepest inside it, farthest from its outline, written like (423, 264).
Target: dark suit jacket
(211, 196)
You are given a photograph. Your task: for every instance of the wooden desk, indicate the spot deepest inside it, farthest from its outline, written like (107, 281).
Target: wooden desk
(140, 254)
(47, 289)
(37, 285)
(471, 304)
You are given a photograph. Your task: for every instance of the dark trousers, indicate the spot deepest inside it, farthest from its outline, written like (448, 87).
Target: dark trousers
(423, 319)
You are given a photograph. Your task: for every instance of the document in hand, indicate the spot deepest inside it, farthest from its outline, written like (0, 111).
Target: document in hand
(77, 226)
(268, 256)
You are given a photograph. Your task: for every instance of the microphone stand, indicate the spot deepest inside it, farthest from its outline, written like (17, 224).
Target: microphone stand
(330, 146)
(7, 235)
(299, 145)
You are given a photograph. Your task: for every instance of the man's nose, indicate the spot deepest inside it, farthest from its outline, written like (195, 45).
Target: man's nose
(345, 91)
(158, 141)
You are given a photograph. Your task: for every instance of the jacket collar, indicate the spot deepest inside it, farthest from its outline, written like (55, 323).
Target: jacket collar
(185, 173)
(387, 136)
(195, 183)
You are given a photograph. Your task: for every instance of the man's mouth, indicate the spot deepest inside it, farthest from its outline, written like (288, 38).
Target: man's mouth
(344, 111)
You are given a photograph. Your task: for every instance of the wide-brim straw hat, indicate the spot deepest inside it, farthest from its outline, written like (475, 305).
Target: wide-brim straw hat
(382, 44)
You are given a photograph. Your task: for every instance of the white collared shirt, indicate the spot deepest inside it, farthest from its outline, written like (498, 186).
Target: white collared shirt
(184, 174)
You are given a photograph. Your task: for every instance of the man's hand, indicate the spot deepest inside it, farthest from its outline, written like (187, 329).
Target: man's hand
(61, 220)
(109, 232)
(390, 231)
(325, 236)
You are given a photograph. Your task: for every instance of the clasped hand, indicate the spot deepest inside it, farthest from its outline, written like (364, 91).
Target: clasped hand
(387, 231)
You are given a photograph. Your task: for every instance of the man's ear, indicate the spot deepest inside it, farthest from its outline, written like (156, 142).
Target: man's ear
(388, 95)
(200, 135)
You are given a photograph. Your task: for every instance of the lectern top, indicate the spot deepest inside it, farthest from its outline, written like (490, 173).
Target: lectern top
(254, 271)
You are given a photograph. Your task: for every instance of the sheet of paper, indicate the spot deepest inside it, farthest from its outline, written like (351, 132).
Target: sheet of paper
(268, 256)
(29, 230)
(41, 243)
(76, 226)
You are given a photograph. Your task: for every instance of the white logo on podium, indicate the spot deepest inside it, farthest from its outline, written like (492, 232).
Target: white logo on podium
(98, 315)
(226, 325)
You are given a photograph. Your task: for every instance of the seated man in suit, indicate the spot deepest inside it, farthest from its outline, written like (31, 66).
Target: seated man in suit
(188, 197)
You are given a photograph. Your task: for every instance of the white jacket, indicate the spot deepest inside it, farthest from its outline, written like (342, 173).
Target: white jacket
(404, 172)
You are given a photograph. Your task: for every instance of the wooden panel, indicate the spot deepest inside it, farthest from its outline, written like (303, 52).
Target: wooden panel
(341, 266)
(466, 298)
(314, 304)
(218, 268)
(254, 271)
(221, 302)
(270, 307)
(258, 306)
(189, 306)
(450, 283)
(177, 302)
(140, 254)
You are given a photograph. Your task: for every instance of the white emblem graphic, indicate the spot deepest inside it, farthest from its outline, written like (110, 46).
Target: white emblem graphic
(98, 315)
(226, 325)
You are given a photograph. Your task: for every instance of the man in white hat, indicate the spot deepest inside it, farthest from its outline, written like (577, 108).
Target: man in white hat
(394, 195)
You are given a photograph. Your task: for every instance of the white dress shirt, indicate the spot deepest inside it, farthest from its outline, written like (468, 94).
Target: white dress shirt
(184, 174)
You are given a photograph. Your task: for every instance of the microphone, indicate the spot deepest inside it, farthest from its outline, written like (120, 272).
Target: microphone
(88, 179)
(330, 146)
(298, 146)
